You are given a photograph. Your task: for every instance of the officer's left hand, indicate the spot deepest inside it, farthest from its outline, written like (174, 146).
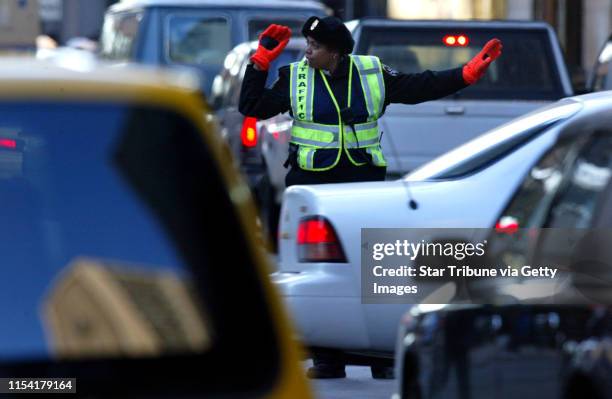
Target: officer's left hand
(477, 66)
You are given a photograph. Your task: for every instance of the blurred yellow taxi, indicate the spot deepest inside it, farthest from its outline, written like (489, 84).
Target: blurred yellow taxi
(127, 243)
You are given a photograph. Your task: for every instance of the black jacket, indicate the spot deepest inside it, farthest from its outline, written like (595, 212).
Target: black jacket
(262, 103)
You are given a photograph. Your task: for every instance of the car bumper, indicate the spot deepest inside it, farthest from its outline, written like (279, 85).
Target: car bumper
(325, 309)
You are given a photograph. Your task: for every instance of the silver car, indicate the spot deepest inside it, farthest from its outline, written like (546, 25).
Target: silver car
(536, 343)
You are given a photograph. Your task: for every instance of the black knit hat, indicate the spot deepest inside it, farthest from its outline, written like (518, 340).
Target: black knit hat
(331, 32)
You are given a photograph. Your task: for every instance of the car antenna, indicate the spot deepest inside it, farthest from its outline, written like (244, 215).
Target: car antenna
(411, 201)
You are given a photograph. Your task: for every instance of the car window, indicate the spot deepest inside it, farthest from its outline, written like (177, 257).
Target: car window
(118, 36)
(553, 208)
(602, 79)
(482, 150)
(537, 190)
(112, 249)
(77, 235)
(412, 50)
(199, 40)
(570, 216)
(525, 210)
(576, 203)
(603, 213)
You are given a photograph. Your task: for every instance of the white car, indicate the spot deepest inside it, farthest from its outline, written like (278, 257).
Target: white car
(319, 271)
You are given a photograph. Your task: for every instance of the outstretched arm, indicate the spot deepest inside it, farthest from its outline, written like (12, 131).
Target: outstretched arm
(414, 88)
(431, 85)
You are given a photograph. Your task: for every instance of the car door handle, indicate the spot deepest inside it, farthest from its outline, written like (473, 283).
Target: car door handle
(455, 110)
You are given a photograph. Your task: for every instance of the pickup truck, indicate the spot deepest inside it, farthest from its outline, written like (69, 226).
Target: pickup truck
(530, 73)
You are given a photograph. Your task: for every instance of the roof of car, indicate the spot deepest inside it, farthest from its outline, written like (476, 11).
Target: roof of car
(518, 24)
(134, 4)
(62, 79)
(596, 96)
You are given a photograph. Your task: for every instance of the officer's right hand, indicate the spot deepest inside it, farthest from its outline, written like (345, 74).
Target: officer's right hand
(271, 42)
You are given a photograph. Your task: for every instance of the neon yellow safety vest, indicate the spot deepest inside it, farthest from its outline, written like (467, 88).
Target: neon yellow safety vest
(311, 136)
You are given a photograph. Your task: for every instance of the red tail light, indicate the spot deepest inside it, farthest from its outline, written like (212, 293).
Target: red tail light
(8, 143)
(462, 40)
(249, 132)
(456, 40)
(317, 241)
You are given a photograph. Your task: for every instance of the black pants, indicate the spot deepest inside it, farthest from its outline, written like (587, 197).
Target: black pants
(341, 173)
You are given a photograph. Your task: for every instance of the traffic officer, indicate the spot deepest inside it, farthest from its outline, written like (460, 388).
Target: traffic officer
(335, 100)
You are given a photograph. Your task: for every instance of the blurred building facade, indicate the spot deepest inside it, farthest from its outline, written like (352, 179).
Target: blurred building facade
(18, 25)
(64, 19)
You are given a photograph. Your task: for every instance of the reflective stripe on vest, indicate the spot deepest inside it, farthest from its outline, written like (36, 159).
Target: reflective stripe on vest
(367, 135)
(301, 91)
(306, 158)
(315, 134)
(370, 74)
(377, 156)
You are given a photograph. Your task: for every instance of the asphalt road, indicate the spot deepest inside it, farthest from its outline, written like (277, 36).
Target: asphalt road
(358, 384)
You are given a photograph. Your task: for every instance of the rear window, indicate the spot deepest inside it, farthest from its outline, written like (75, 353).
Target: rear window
(75, 234)
(412, 50)
(112, 255)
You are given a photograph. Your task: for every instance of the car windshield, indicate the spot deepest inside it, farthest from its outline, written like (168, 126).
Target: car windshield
(482, 150)
(85, 263)
(412, 50)
(199, 40)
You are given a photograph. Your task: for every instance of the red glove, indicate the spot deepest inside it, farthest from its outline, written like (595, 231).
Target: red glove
(271, 42)
(477, 66)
